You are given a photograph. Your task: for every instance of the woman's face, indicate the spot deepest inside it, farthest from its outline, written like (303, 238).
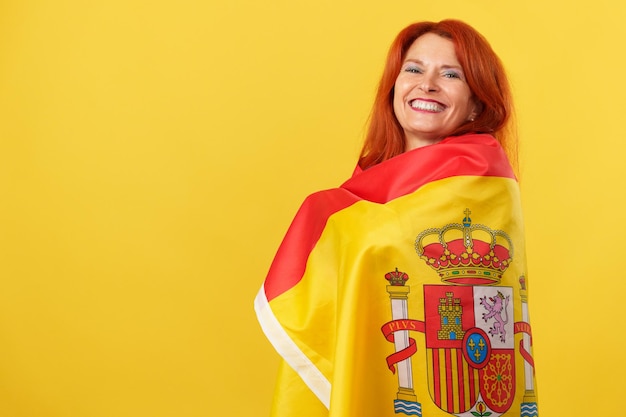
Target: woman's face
(431, 96)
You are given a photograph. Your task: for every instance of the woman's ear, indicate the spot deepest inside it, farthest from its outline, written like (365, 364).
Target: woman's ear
(477, 109)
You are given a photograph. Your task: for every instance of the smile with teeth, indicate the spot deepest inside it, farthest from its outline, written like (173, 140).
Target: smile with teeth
(427, 105)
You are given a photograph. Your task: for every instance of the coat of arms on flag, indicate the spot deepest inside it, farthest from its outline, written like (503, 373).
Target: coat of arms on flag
(469, 326)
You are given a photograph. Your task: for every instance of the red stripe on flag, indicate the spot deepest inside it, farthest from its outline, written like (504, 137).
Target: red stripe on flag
(461, 378)
(449, 380)
(462, 155)
(470, 155)
(472, 385)
(436, 379)
(289, 263)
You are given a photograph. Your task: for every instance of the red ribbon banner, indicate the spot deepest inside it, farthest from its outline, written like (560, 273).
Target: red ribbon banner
(523, 327)
(393, 326)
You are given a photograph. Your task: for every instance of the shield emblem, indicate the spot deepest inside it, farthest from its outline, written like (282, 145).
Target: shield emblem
(469, 346)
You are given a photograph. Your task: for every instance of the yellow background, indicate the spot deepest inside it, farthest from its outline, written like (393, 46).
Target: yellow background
(152, 154)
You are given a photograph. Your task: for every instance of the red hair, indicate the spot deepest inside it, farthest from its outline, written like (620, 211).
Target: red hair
(485, 77)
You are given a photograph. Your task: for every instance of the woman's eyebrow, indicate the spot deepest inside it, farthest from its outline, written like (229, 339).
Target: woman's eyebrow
(419, 62)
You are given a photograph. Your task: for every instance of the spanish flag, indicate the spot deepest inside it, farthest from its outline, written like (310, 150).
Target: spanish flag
(404, 291)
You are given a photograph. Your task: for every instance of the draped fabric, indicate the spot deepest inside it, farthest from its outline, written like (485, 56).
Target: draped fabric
(404, 291)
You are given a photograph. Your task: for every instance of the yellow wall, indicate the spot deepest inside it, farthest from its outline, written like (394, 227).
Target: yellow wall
(152, 154)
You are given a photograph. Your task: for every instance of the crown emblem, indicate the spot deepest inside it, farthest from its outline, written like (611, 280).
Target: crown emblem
(467, 254)
(396, 277)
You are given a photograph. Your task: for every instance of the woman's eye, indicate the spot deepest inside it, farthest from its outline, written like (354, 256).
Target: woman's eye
(451, 74)
(414, 70)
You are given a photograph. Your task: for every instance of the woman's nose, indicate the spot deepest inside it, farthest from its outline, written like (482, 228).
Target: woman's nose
(428, 83)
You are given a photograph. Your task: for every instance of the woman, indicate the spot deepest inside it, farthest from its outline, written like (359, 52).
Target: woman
(404, 290)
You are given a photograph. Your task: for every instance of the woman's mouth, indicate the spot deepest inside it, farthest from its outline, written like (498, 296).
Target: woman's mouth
(433, 106)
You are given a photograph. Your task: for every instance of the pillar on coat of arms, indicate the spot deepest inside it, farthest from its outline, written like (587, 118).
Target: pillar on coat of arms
(399, 311)
(529, 404)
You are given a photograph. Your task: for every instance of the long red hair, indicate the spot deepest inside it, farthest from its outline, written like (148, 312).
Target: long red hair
(485, 76)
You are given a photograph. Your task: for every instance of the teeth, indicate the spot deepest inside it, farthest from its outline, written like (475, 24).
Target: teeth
(426, 105)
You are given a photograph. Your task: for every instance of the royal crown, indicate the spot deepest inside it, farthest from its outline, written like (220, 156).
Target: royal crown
(396, 277)
(469, 254)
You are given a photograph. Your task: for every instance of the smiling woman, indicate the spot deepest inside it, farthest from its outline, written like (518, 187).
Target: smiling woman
(475, 62)
(403, 291)
(431, 96)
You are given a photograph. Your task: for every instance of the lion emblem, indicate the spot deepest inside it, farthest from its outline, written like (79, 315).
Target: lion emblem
(496, 310)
